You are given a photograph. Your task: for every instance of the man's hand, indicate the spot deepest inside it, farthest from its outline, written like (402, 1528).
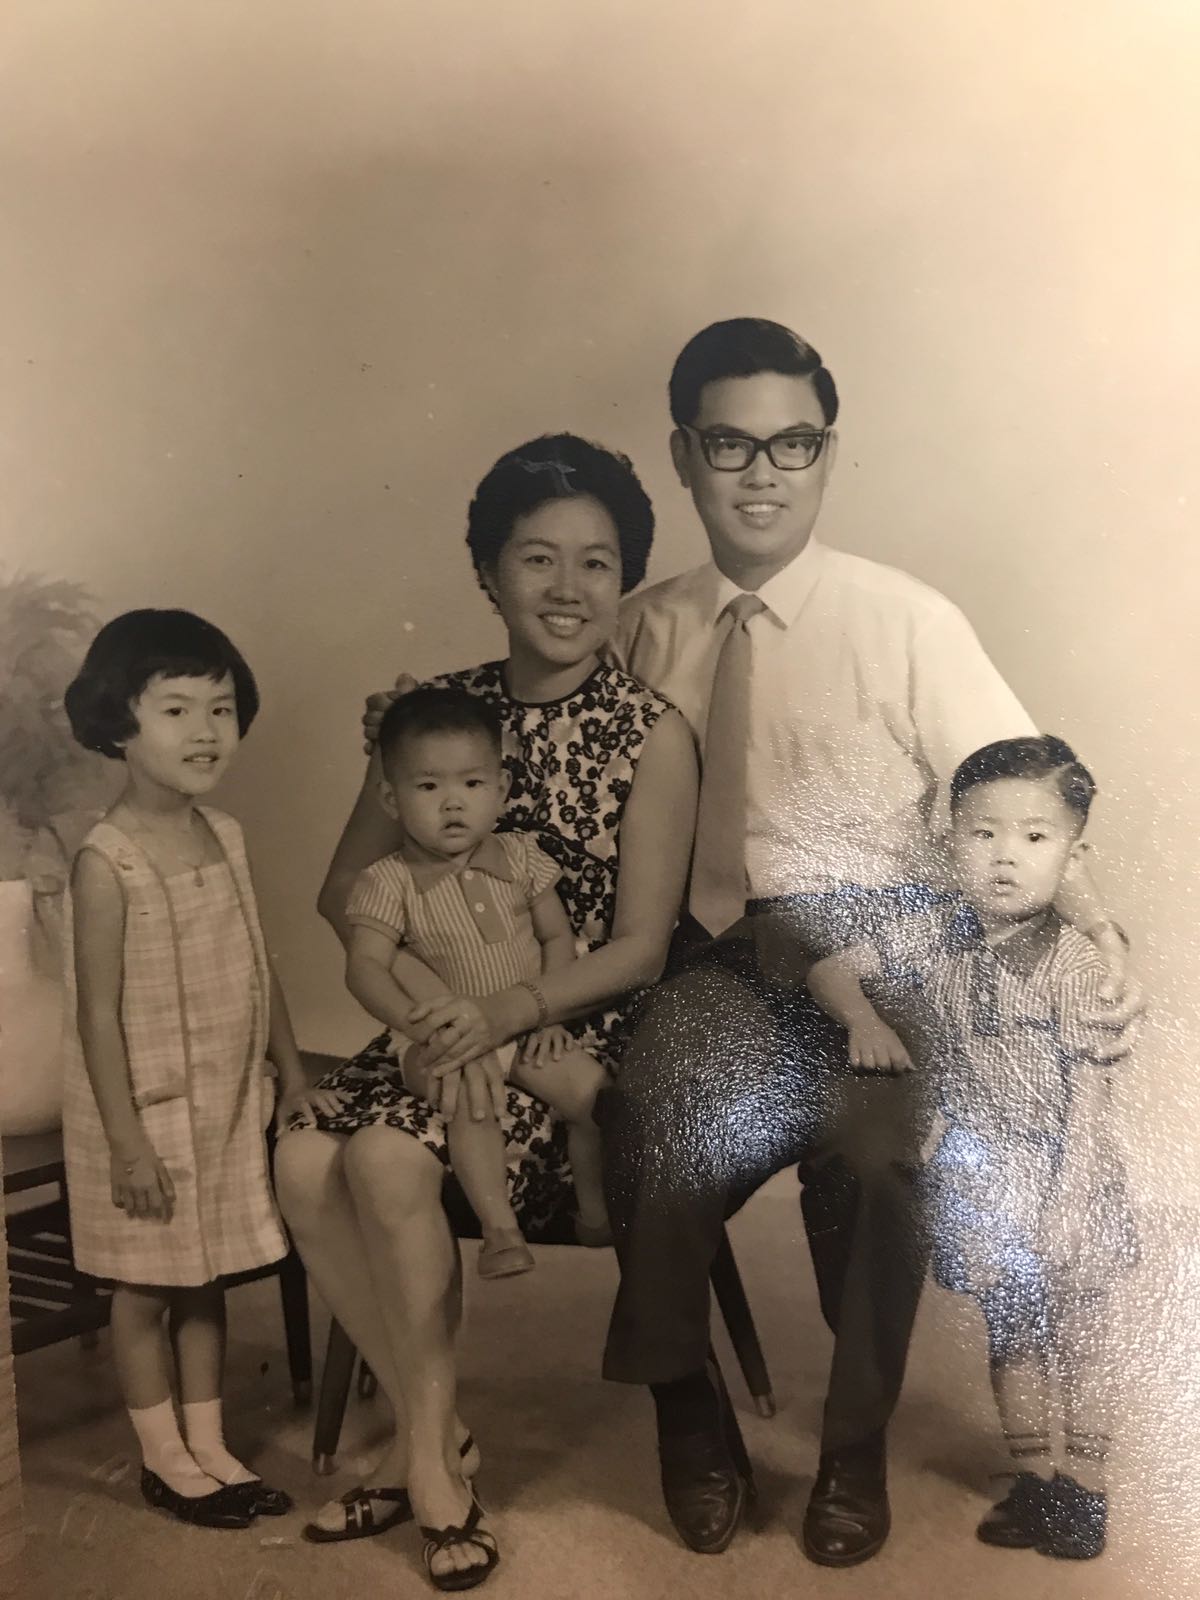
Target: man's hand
(377, 704)
(874, 1047)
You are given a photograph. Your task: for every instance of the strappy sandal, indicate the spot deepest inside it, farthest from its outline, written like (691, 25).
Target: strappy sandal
(360, 1520)
(469, 1533)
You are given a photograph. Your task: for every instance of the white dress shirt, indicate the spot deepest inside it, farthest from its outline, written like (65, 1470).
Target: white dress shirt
(867, 690)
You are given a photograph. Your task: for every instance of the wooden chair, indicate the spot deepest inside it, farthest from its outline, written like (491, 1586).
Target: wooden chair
(341, 1356)
(52, 1300)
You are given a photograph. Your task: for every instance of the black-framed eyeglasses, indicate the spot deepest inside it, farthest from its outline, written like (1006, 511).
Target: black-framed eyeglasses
(790, 451)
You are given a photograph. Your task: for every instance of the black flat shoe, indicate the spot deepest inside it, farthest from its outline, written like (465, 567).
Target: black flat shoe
(1019, 1520)
(848, 1517)
(216, 1510)
(261, 1500)
(705, 1481)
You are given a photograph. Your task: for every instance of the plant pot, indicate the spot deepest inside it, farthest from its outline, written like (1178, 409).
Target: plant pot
(31, 1023)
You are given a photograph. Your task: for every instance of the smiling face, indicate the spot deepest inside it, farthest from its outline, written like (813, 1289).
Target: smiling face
(760, 519)
(1011, 841)
(187, 731)
(557, 584)
(446, 789)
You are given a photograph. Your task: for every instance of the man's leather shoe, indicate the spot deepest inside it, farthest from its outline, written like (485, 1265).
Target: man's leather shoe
(848, 1517)
(703, 1489)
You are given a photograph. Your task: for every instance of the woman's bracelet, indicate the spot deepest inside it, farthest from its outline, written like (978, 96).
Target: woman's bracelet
(539, 999)
(1103, 926)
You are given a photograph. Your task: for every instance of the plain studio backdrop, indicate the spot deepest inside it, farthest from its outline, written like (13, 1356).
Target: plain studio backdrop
(281, 280)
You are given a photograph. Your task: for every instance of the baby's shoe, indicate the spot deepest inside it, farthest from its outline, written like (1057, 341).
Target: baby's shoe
(1076, 1523)
(504, 1254)
(1018, 1522)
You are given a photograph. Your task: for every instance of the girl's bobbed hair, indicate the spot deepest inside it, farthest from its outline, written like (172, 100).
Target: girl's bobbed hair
(136, 647)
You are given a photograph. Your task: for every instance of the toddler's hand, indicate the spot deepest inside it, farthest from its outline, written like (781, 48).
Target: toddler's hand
(309, 1104)
(377, 704)
(141, 1185)
(548, 1044)
(874, 1047)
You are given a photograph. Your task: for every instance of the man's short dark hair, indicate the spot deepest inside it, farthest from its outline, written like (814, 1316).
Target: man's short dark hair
(425, 711)
(561, 466)
(741, 348)
(1043, 759)
(136, 647)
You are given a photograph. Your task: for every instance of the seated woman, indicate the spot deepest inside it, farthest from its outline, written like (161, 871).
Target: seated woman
(599, 769)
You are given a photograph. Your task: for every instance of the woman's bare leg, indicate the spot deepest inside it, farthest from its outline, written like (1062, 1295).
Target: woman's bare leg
(397, 1191)
(316, 1202)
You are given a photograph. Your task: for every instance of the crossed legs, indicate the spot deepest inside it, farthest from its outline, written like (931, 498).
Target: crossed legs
(367, 1218)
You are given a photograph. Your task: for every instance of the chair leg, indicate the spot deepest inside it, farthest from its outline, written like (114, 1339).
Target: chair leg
(340, 1356)
(735, 1309)
(737, 1445)
(293, 1292)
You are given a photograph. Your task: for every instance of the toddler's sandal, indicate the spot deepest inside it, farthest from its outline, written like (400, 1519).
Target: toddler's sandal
(504, 1255)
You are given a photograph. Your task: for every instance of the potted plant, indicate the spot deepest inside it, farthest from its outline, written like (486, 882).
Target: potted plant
(50, 791)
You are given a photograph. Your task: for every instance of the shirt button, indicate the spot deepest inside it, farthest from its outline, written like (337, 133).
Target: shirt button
(468, 874)
(479, 906)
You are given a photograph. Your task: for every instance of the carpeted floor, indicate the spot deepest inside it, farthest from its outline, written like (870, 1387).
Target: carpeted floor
(569, 1469)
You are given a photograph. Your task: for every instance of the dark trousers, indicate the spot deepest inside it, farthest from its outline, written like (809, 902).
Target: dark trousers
(730, 1076)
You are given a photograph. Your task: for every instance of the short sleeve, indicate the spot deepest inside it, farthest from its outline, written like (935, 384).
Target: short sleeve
(960, 702)
(536, 871)
(377, 901)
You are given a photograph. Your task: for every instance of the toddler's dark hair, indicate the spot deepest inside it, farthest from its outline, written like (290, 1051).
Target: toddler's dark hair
(1044, 758)
(561, 466)
(134, 648)
(436, 711)
(743, 347)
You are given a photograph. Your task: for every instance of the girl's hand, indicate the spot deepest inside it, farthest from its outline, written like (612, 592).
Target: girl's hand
(874, 1047)
(141, 1185)
(550, 1044)
(309, 1104)
(456, 1028)
(377, 704)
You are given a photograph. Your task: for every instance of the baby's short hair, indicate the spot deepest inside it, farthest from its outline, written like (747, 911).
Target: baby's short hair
(134, 648)
(1044, 758)
(432, 710)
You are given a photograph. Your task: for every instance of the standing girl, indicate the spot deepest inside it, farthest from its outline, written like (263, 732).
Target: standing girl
(164, 1109)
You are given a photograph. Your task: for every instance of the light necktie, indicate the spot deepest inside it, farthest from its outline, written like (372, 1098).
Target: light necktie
(718, 888)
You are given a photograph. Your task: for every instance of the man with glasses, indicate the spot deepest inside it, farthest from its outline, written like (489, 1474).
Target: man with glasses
(833, 698)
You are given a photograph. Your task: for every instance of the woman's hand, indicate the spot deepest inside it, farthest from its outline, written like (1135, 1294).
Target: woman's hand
(457, 1028)
(309, 1104)
(481, 1080)
(377, 704)
(141, 1185)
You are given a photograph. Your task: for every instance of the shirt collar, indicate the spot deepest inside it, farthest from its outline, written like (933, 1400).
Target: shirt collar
(488, 856)
(784, 595)
(1021, 951)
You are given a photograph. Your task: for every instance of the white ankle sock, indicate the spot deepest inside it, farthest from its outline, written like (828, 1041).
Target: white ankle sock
(165, 1453)
(206, 1441)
